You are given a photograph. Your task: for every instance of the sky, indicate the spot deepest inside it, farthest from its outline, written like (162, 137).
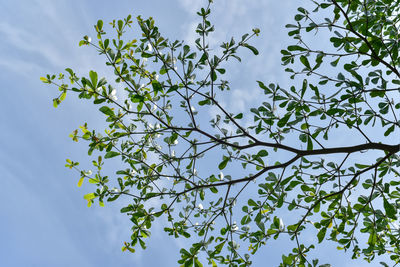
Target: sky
(44, 218)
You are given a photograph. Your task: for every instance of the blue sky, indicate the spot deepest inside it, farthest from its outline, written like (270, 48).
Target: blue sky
(45, 221)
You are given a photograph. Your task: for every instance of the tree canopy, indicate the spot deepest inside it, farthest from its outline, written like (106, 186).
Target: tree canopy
(214, 176)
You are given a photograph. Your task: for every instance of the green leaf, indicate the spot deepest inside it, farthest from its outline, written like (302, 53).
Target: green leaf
(156, 86)
(222, 165)
(305, 62)
(389, 130)
(379, 93)
(296, 48)
(222, 71)
(252, 48)
(321, 234)
(173, 88)
(197, 263)
(282, 122)
(218, 248)
(372, 239)
(213, 75)
(363, 48)
(100, 25)
(304, 87)
(251, 202)
(303, 138)
(120, 24)
(309, 143)
(389, 209)
(262, 153)
(106, 110)
(137, 98)
(238, 116)
(93, 78)
(111, 154)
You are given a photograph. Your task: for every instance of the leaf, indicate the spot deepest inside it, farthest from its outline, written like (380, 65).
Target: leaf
(363, 48)
(111, 154)
(62, 96)
(43, 79)
(304, 87)
(222, 165)
(245, 220)
(251, 202)
(56, 102)
(282, 122)
(93, 78)
(156, 86)
(99, 101)
(137, 98)
(89, 196)
(375, 93)
(372, 239)
(305, 62)
(309, 144)
(172, 88)
(296, 48)
(238, 116)
(303, 138)
(99, 24)
(219, 247)
(80, 182)
(389, 130)
(106, 110)
(197, 263)
(262, 153)
(213, 75)
(389, 209)
(321, 234)
(120, 24)
(252, 48)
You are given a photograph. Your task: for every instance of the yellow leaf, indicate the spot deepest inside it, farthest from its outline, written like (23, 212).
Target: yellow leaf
(89, 203)
(84, 129)
(89, 196)
(80, 182)
(62, 96)
(330, 224)
(93, 181)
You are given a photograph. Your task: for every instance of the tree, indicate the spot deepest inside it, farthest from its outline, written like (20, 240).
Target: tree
(341, 192)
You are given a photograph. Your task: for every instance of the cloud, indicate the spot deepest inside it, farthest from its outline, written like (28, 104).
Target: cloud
(26, 41)
(192, 6)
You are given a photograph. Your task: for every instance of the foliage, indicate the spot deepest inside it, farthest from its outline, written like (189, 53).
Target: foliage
(160, 129)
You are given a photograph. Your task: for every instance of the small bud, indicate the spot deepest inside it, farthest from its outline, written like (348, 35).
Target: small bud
(256, 31)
